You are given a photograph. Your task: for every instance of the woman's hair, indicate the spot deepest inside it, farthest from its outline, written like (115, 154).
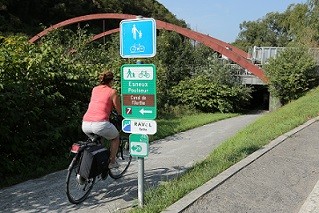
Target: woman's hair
(106, 77)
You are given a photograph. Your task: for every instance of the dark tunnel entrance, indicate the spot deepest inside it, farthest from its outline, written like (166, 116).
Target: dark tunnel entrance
(260, 98)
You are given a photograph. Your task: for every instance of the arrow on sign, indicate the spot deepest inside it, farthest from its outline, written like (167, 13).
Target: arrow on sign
(137, 148)
(143, 111)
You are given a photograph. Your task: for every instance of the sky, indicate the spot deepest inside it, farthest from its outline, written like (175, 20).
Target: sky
(221, 18)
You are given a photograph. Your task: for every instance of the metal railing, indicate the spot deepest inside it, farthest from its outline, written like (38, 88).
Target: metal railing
(260, 55)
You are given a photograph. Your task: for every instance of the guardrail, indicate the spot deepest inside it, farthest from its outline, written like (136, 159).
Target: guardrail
(260, 55)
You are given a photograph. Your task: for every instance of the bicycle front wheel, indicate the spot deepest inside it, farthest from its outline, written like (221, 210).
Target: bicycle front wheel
(77, 188)
(124, 159)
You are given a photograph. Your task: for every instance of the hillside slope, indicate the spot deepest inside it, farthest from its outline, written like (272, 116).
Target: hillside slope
(30, 17)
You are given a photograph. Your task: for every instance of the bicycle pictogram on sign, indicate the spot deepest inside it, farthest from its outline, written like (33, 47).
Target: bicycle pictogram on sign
(143, 74)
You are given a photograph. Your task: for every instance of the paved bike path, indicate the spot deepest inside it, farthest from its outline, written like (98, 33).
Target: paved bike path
(281, 177)
(167, 159)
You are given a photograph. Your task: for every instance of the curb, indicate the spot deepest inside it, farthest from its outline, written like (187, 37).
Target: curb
(311, 205)
(194, 195)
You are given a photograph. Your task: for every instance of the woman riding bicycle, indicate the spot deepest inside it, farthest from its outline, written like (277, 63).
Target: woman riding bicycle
(96, 119)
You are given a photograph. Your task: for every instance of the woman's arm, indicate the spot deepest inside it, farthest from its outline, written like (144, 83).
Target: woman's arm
(116, 102)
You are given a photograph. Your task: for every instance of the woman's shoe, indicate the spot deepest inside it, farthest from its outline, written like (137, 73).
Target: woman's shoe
(114, 165)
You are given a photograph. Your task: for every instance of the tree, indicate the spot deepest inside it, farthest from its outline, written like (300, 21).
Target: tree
(298, 24)
(291, 73)
(30, 17)
(268, 31)
(44, 91)
(175, 55)
(313, 23)
(213, 89)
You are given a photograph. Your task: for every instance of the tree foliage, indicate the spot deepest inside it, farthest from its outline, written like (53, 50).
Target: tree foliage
(291, 73)
(44, 90)
(207, 96)
(298, 24)
(174, 53)
(30, 17)
(214, 89)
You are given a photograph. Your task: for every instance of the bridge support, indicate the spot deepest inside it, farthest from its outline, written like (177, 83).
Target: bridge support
(274, 103)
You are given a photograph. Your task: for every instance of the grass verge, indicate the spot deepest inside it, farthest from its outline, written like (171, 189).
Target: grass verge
(245, 142)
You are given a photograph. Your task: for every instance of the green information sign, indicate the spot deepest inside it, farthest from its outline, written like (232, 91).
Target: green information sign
(139, 145)
(138, 89)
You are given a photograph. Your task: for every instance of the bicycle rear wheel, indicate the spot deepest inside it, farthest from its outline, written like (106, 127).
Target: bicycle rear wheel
(124, 159)
(77, 188)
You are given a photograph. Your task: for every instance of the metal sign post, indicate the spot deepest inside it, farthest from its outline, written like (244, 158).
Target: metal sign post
(140, 182)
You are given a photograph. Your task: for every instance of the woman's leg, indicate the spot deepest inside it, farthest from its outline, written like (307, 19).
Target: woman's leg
(114, 148)
(108, 131)
(87, 129)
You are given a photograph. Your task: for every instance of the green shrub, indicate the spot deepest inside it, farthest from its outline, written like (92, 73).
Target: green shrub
(43, 95)
(208, 96)
(291, 74)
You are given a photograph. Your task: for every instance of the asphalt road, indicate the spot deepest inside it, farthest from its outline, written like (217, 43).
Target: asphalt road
(281, 177)
(167, 159)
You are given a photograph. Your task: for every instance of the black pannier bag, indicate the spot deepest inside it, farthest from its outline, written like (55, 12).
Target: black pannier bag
(94, 160)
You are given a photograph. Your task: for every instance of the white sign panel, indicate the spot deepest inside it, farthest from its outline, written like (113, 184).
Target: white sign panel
(135, 126)
(138, 73)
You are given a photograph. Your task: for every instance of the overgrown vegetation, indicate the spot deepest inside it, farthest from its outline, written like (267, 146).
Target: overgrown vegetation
(30, 17)
(215, 89)
(291, 73)
(298, 24)
(43, 95)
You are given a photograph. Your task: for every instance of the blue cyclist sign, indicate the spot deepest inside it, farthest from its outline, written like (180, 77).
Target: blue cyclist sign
(138, 38)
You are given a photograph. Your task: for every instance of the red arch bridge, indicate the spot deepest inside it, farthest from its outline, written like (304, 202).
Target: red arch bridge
(231, 52)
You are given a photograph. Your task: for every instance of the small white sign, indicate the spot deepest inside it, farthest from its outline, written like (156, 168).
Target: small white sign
(135, 126)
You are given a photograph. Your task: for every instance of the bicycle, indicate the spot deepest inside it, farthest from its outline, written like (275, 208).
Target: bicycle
(77, 187)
